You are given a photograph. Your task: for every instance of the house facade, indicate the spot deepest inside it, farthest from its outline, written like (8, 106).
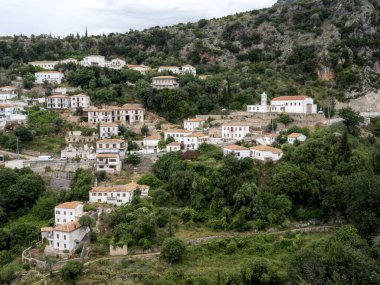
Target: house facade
(58, 102)
(95, 115)
(80, 100)
(140, 68)
(194, 124)
(150, 144)
(238, 151)
(235, 130)
(118, 194)
(176, 134)
(108, 162)
(269, 139)
(68, 212)
(66, 237)
(116, 63)
(116, 146)
(296, 137)
(164, 82)
(188, 69)
(93, 60)
(49, 76)
(266, 153)
(173, 146)
(173, 69)
(129, 113)
(7, 93)
(193, 140)
(108, 130)
(45, 64)
(126, 114)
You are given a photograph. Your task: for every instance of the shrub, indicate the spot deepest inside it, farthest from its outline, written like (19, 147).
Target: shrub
(172, 250)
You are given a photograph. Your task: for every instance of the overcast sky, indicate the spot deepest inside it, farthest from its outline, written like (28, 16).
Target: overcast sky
(63, 17)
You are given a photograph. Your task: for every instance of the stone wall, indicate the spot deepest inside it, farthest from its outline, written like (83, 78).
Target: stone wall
(118, 250)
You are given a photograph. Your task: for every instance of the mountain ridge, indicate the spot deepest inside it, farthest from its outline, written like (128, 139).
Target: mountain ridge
(332, 41)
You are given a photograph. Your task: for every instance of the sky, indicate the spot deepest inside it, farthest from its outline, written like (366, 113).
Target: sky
(64, 17)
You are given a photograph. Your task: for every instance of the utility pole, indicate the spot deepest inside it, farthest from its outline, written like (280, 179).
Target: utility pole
(18, 151)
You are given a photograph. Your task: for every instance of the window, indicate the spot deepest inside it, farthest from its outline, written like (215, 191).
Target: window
(64, 245)
(64, 237)
(57, 235)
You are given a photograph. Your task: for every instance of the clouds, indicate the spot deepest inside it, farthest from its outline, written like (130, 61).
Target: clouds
(62, 17)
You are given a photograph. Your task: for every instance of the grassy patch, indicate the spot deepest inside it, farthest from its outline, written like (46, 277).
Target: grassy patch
(51, 144)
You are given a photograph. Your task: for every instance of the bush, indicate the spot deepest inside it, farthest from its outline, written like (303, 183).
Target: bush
(133, 159)
(172, 250)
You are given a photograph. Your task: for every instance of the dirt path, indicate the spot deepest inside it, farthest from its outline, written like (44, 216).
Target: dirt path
(14, 155)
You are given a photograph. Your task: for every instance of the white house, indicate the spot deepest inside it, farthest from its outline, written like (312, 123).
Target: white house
(108, 130)
(137, 67)
(194, 124)
(49, 76)
(67, 233)
(58, 102)
(164, 82)
(95, 115)
(115, 63)
(287, 104)
(80, 100)
(237, 150)
(235, 130)
(64, 237)
(45, 64)
(68, 212)
(179, 70)
(150, 144)
(118, 194)
(128, 113)
(173, 69)
(269, 139)
(11, 109)
(93, 60)
(108, 162)
(84, 153)
(115, 146)
(7, 93)
(69, 60)
(173, 146)
(192, 141)
(265, 153)
(176, 133)
(296, 136)
(188, 69)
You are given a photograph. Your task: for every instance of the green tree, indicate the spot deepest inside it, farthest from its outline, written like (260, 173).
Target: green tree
(173, 250)
(284, 119)
(351, 120)
(362, 195)
(28, 80)
(144, 130)
(23, 133)
(133, 159)
(80, 186)
(71, 271)
(87, 222)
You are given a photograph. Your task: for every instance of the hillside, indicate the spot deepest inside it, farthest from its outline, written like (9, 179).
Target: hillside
(308, 40)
